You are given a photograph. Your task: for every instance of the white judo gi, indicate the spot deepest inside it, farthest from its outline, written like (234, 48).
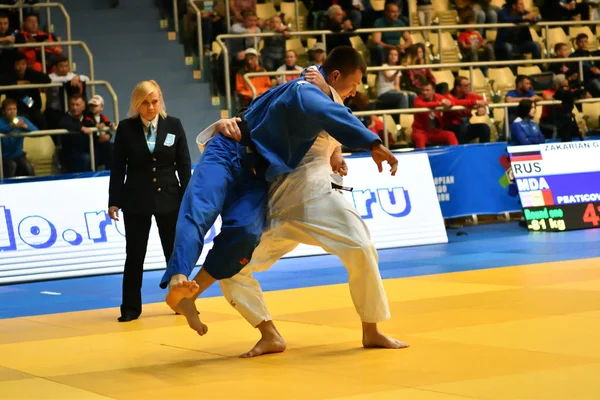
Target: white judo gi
(303, 208)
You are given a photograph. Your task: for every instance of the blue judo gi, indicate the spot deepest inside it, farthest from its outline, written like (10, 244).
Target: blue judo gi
(525, 132)
(283, 124)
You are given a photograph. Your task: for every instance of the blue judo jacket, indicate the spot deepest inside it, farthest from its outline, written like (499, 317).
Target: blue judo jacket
(285, 121)
(525, 132)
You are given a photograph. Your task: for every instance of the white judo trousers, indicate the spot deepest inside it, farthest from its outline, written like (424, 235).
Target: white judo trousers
(303, 208)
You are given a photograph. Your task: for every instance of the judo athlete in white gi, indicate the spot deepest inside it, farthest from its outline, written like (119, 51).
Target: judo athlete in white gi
(303, 208)
(282, 126)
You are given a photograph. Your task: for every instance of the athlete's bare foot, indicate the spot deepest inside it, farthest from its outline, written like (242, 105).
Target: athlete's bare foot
(188, 308)
(373, 339)
(179, 291)
(270, 342)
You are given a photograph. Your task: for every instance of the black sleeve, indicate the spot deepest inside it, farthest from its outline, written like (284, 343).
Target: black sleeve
(38, 77)
(117, 172)
(70, 124)
(182, 157)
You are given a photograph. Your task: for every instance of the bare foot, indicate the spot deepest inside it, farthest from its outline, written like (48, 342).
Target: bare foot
(188, 309)
(266, 345)
(378, 340)
(179, 291)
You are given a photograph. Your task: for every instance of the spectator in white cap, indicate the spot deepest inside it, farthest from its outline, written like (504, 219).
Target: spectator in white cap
(260, 83)
(95, 108)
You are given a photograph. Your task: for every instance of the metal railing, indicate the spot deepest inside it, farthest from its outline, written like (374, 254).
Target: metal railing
(176, 16)
(505, 106)
(438, 28)
(53, 132)
(199, 23)
(470, 65)
(47, 6)
(106, 84)
(43, 45)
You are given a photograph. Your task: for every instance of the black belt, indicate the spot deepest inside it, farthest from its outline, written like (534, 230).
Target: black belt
(340, 187)
(251, 160)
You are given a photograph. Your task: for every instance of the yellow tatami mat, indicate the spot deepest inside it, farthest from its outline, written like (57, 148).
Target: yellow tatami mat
(528, 332)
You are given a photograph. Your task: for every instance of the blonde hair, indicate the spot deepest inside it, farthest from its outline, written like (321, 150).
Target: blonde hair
(139, 94)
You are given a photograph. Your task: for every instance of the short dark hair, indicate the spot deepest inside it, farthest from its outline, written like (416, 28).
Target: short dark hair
(458, 81)
(77, 96)
(31, 14)
(8, 101)
(3, 15)
(559, 46)
(344, 59)
(427, 83)
(580, 36)
(524, 108)
(19, 57)
(61, 60)
(521, 78)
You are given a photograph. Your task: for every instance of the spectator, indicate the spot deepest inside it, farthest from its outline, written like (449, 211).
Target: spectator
(273, 53)
(213, 24)
(14, 160)
(316, 55)
(248, 25)
(569, 70)
(29, 101)
(524, 130)
(31, 34)
(72, 83)
(382, 41)
(561, 10)
(260, 83)
(413, 79)
(239, 7)
(428, 127)
(7, 37)
(388, 86)
(474, 48)
(320, 9)
(458, 121)
(290, 65)
(467, 9)
(94, 117)
(522, 90)
(591, 73)
(516, 39)
(338, 23)
(75, 152)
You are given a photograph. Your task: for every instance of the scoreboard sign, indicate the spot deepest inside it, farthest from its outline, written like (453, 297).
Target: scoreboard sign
(558, 184)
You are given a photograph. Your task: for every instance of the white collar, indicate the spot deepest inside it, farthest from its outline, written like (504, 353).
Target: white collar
(154, 122)
(336, 96)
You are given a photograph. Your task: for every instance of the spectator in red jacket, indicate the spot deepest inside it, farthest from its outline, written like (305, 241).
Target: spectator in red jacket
(458, 121)
(31, 34)
(428, 127)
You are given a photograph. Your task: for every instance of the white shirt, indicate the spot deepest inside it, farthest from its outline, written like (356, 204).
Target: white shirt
(54, 100)
(147, 123)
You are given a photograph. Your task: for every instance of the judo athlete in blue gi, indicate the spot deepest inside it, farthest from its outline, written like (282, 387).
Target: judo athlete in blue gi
(230, 179)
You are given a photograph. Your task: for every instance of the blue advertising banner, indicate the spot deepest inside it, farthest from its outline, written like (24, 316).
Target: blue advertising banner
(473, 179)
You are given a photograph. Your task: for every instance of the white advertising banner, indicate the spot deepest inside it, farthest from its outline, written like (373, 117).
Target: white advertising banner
(60, 228)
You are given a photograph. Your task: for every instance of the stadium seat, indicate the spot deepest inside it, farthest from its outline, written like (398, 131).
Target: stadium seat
(592, 39)
(265, 11)
(591, 113)
(40, 152)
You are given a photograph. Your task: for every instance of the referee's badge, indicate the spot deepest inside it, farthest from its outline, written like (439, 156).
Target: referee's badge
(169, 140)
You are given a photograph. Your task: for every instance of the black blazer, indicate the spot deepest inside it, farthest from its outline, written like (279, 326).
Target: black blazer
(151, 186)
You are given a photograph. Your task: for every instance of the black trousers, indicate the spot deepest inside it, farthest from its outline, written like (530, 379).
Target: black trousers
(137, 230)
(467, 132)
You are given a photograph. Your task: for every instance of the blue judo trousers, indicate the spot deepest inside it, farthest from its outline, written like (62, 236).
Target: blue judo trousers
(283, 124)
